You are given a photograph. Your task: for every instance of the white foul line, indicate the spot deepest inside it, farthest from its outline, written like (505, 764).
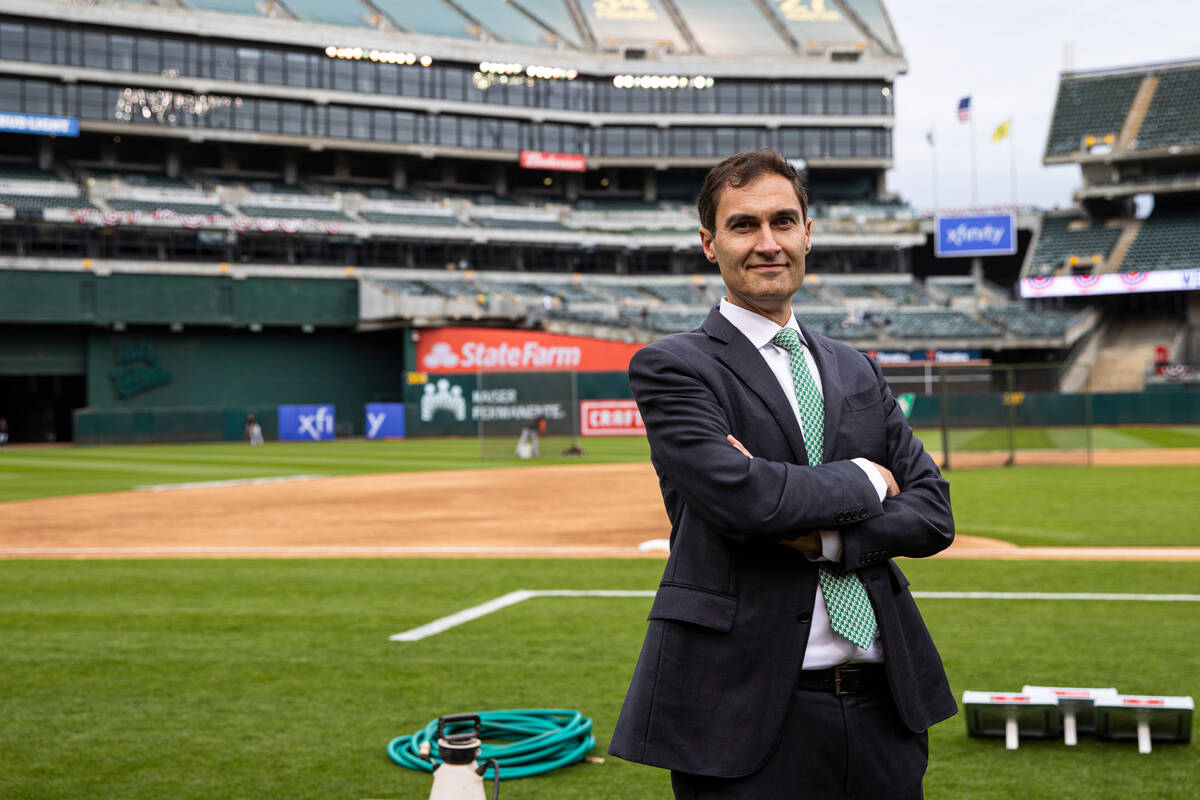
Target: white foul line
(512, 598)
(503, 601)
(168, 487)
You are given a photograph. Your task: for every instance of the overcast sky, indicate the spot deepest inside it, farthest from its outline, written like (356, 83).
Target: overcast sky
(1008, 57)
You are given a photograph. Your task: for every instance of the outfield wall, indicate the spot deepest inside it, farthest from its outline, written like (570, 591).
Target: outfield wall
(198, 385)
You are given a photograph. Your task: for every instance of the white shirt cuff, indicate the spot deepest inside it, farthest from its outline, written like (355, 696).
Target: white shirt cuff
(874, 476)
(831, 547)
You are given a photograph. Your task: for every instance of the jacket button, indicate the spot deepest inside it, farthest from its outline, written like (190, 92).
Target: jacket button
(805, 617)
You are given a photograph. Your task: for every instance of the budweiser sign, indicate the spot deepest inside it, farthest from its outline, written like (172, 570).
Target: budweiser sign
(562, 162)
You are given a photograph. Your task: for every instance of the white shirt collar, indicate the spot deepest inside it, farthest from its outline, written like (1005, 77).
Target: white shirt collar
(755, 327)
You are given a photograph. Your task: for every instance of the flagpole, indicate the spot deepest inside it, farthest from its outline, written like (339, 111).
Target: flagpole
(972, 112)
(933, 149)
(1012, 163)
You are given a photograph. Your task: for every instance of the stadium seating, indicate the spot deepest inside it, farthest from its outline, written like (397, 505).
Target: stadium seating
(838, 324)
(1025, 322)
(1090, 107)
(904, 324)
(1169, 239)
(1060, 239)
(681, 294)
(954, 287)
(406, 287)
(390, 218)
(1173, 117)
(572, 292)
(294, 212)
(122, 204)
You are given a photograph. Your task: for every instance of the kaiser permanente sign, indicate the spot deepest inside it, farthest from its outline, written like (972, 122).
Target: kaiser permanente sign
(444, 350)
(991, 235)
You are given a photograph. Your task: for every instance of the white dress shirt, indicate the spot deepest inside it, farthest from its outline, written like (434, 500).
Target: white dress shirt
(825, 648)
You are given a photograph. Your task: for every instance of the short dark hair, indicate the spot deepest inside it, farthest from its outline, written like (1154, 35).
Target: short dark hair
(739, 170)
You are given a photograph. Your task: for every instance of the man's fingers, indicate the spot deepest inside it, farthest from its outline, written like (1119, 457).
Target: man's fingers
(893, 488)
(738, 445)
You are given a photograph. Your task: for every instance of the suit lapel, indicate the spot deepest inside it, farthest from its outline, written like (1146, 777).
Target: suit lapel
(831, 386)
(737, 353)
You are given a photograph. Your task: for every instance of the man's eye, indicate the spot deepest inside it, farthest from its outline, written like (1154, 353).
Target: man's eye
(786, 222)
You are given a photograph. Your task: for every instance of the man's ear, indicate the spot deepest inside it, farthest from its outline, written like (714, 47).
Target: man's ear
(808, 236)
(706, 241)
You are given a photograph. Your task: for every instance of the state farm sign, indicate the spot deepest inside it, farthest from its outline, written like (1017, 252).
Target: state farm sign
(561, 162)
(610, 418)
(497, 350)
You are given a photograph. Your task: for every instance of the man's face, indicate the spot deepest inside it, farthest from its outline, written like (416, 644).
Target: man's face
(760, 241)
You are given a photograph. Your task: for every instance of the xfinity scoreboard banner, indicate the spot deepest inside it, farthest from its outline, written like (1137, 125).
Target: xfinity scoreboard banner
(306, 423)
(992, 235)
(385, 421)
(42, 124)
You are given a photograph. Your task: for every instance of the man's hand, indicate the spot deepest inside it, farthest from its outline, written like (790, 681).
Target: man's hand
(808, 543)
(893, 488)
(738, 445)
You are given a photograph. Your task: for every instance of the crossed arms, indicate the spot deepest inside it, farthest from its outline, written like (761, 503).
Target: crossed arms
(692, 409)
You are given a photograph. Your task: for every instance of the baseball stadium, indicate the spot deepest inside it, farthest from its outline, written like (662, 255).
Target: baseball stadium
(315, 417)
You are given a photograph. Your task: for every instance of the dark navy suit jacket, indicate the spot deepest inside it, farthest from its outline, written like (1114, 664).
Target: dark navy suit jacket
(730, 621)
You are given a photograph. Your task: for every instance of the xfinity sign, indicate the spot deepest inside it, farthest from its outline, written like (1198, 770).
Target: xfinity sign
(306, 423)
(993, 235)
(385, 420)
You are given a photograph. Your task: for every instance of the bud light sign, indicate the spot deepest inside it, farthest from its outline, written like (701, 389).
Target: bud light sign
(994, 235)
(385, 420)
(306, 423)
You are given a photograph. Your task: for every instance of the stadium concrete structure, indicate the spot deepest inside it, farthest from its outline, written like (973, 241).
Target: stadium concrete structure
(214, 207)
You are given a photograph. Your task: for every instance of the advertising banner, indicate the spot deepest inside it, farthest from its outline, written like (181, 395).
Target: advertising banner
(385, 420)
(990, 235)
(1162, 280)
(918, 357)
(610, 418)
(461, 350)
(41, 124)
(306, 423)
(559, 162)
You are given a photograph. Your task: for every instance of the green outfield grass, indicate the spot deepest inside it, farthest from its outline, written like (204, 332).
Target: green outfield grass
(202, 679)
(1062, 438)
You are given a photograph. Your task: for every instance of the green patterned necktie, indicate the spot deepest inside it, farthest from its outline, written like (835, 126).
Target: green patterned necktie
(850, 613)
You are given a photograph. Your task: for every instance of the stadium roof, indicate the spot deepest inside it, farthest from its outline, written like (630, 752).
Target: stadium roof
(748, 31)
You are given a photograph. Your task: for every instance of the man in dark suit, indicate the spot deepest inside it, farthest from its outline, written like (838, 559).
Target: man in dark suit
(785, 657)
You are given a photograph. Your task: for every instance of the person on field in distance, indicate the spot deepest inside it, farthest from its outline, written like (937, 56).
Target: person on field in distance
(785, 657)
(253, 432)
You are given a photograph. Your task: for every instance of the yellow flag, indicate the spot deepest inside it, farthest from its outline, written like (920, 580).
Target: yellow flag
(1001, 131)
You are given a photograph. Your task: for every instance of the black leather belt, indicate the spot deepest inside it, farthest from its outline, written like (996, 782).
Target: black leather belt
(846, 679)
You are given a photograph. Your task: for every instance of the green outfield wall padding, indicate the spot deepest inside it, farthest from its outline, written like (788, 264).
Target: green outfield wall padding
(84, 297)
(217, 369)
(42, 350)
(147, 425)
(1161, 407)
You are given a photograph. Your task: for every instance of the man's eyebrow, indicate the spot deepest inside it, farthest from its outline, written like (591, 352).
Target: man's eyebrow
(735, 218)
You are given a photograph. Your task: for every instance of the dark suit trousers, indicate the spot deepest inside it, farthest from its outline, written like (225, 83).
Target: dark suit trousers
(852, 747)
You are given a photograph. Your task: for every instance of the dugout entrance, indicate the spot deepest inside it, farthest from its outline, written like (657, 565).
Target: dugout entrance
(39, 407)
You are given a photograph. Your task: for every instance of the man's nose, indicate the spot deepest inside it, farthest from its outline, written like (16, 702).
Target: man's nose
(765, 243)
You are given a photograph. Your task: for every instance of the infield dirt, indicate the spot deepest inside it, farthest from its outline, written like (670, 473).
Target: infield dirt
(574, 510)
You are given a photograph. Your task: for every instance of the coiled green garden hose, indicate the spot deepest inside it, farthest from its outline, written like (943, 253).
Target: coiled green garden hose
(534, 741)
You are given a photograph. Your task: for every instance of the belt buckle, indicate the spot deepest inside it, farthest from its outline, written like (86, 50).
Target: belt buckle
(837, 682)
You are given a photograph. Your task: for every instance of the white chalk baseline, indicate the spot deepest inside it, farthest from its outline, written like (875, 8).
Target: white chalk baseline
(521, 595)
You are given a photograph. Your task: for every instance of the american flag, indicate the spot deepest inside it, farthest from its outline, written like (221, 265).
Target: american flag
(964, 109)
